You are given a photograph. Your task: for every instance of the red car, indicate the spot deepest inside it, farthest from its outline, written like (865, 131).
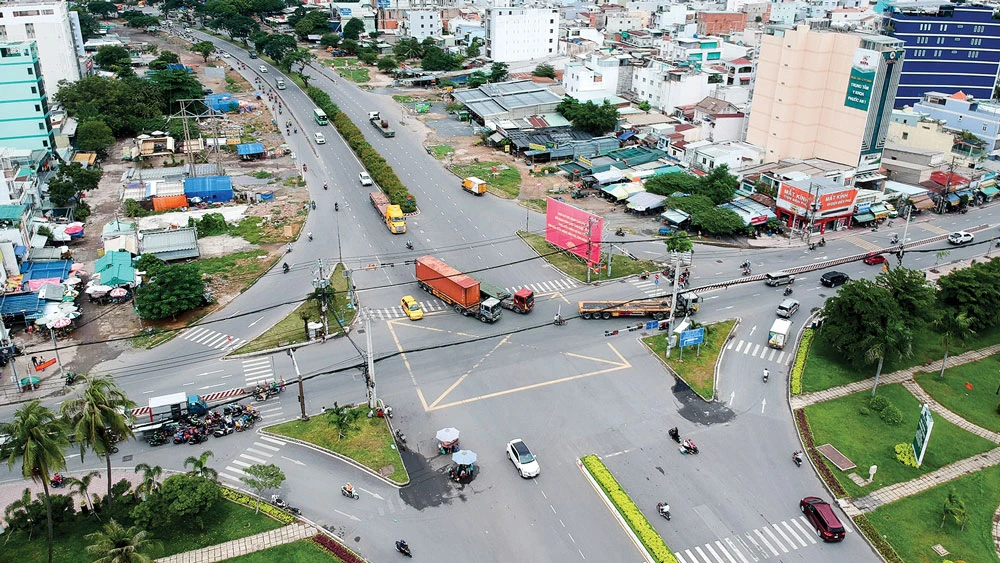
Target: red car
(874, 258)
(823, 518)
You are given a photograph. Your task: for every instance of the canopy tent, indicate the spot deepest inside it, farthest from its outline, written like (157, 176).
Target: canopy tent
(111, 259)
(608, 177)
(117, 275)
(675, 217)
(922, 201)
(624, 190)
(864, 217)
(643, 201)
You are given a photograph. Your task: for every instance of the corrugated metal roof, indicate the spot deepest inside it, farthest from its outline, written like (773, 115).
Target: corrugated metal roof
(177, 243)
(11, 213)
(21, 304)
(644, 200)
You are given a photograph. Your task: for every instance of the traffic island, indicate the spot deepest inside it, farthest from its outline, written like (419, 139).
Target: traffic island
(571, 265)
(641, 531)
(970, 390)
(696, 368)
(348, 433)
(294, 328)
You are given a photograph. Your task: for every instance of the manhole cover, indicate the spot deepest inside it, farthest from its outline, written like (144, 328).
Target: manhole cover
(126, 458)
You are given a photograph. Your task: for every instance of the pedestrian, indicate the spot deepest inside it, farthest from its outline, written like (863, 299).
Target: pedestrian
(34, 361)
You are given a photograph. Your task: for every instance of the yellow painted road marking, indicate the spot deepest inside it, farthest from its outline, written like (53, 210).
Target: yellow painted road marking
(466, 374)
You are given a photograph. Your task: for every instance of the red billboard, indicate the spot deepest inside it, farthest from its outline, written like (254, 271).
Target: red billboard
(570, 228)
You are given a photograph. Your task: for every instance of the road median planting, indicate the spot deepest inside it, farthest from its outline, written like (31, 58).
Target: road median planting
(630, 513)
(697, 371)
(573, 266)
(348, 431)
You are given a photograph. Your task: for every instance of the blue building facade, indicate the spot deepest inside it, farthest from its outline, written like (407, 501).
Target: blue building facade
(24, 107)
(949, 47)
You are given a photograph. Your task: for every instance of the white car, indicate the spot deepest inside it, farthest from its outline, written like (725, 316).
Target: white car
(262, 68)
(320, 139)
(960, 237)
(522, 458)
(225, 55)
(366, 180)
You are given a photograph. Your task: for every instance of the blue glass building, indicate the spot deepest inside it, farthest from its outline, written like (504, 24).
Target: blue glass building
(949, 47)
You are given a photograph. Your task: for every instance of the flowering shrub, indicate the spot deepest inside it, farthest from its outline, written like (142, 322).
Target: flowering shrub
(904, 453)
(337, 548)
(800, 360)
(636, 520)
(251, 502)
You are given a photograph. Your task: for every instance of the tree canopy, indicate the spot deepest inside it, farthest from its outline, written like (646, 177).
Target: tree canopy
(94, 136)
(203, 48)
(181, 498)
(176, 85)
(498, 72)
(127, 106)
(436, 58)
(544, 70)
(590, 117)
(114, 58)
(316, 21)
(70, 180)
(353, 29)
(171, 291)
(387, 64)
(974, 292)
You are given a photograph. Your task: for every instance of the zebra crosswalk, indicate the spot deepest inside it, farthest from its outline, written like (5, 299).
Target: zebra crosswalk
(761, 351)
(263, 449)
(258, 370)
(563, 284)
(760, 543)
(650, 287)
(211, 338)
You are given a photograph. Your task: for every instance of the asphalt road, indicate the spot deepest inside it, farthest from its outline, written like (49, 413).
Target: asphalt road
(567, 391)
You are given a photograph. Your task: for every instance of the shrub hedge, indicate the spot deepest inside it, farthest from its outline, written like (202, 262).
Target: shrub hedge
(904, 453)
(883, 546)
(377, 167)
(828, 477)
(800, 360)
(251, 502)
(337, 548)
(626, 507)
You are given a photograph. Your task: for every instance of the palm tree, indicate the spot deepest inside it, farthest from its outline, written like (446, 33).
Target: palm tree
(38, 438)
(21, 506)
(953, 328)
(81, 486)
(97, 418)
(113, 543)
(199, 466)
(895, 339)
(150, 479)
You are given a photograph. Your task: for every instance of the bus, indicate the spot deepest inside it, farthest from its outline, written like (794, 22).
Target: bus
(320, 116)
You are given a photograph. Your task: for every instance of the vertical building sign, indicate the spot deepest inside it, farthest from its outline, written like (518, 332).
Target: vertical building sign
(859, 86)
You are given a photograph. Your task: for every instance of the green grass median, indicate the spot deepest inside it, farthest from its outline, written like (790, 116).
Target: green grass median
(573, 266)
(302, 551)
(979, 405)
(698, 371)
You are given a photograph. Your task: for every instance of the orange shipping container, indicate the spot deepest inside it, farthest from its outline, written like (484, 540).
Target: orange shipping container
(169, 202)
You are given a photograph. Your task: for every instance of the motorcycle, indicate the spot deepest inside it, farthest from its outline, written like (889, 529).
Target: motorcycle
(664, 509)
(350, 494)
(620, 232)
(310, 235)
(70, 379)
(400, 440)
(305, 168)
(559, 321)
(284, 267)
(313, 204)
(403, 548)
(822, 242)
(223, 430)
(788, 291)
(895, 240)
(797, 458)
(766, 375)
(284, 505)
(57, 481)
(336, 206)
(812, 246)
(409, 245)
(325, 186)
(688, 447)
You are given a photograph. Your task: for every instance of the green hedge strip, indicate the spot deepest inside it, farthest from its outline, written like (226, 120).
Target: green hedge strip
(648, 535)
(377, 167)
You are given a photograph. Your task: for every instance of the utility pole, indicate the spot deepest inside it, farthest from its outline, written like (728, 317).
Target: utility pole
(302, 394)
(370, 366)
(906, 228)
(590, 223)
(321, 282)
(673, 300)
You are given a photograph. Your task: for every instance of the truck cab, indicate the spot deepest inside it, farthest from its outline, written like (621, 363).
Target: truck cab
(490, 310)
(395, 220)
(688, 303)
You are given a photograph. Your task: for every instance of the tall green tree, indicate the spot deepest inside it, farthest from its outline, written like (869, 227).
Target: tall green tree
(177, 85)
(101, 9)
(407, 48)
(183, 499)
(300, 58)
(954, 329)
(477, 79)
(474, 50)
(113, 543)
(89, 28)
(38, 439)
(498, 72)
(80, 486)
(128, 105)
(544, 70)
(96, 418)
(330, 40)
(150, 483)
(113, 58)
(589, 117)
(71, 179)
(669, 184)
(353, 29)
(261, 477)
(387, 64)
(172, 291)
(436, 58)
(316, 21)
(974, 291)
(277, 46)
(911, 293)
(199, 466)
(94, 136)
(343, 418)
(719, 185)
(203, 48)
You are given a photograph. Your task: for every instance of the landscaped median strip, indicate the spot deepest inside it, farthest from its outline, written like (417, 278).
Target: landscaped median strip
(642, 531)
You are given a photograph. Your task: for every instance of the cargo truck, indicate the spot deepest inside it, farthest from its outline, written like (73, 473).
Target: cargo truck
(521, 301)
(457, 290)
(778, 335)
(391, 214)
(474, 185)
(168, 408)
(381, 124)
(659, 308)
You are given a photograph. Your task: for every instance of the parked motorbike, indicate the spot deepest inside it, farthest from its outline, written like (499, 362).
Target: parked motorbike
(403, 548)
(664, 509)
(688, 447)
(276, 501)
(223, 430)
(400, 440)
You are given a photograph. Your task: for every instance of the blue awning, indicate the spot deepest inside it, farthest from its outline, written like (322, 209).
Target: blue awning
(626, 135)
(20, 304)
(954, 199)
(250, 148)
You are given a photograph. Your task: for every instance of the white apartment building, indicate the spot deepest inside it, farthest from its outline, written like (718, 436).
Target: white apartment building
(421, 24)
(784, 12)
(672, 16)
(617, 22)
(56, 31)
(521, 34)
(665, 86)
(596, 76)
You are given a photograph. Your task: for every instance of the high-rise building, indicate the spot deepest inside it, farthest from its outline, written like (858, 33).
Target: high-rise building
(56, 30)
(521, 34)
(949, 47)
(825, 94)
(24, 121)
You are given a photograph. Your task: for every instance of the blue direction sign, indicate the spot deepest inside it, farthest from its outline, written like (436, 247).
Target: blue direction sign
(692, 337)
(383, 3)
(651, 325)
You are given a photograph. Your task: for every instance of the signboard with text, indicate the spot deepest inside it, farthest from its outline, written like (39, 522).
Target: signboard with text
(859, 85)
(794, 196)
(837, 200)
(692, 337)
(573, 229)
(924, 427)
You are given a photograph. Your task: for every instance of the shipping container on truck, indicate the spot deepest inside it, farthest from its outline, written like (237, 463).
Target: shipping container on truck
(474, 185)
(456, 289)
(391, 214)
(521, 301)
(658, 308)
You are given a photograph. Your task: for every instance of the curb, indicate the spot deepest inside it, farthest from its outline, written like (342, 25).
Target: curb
(614, 511)
(722, 353)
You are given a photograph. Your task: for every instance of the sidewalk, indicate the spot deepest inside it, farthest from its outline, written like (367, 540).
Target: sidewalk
(236, 548)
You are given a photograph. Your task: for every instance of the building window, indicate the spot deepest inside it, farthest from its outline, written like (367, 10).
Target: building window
(906, 136)
(978, 28)
(29, 30)
(41, 126)
(31, 71)
(34, 90)
(38, 107)
(960, 118)
(944, 27)
(984, 128)
(940, 40)
(3, 33)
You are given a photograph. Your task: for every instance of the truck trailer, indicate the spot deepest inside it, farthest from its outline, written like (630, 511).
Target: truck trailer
(391, 214)
(474, 185)
(456, 289)
(381, 124)
(659, 308)
(778, 335)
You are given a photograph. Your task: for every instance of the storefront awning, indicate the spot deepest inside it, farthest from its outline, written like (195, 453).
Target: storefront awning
(922, 202)
(989, 191)
(953, 199)
(879, 211)
(864, 217)
(675, 216)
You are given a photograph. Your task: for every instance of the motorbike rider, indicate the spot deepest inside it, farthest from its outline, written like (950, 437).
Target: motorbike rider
(284, 266)
(409, 245)
(664, 508)
(401, 546)
(349, 489)
(310, 235)
(336, 206)
(325, 185)
(797, 457)
(558, 319)
(766, 374)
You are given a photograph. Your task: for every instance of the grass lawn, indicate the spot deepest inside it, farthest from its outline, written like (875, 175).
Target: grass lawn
(371, 445)
(227, 521)
(621, 266)
(913, 525)
(826, 367)
(539, 205)
(291, 329)
(358, 75)
(405, 99)
(244, 267)
(697, 372)
(344, 61)
(302, 551)
(978, 406)
(866, 440)
(507, 180)
(440, 152)
(153, 337)
(256, 231)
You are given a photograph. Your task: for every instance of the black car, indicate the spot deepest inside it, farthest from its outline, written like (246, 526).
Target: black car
(833, 279)
(253, 54)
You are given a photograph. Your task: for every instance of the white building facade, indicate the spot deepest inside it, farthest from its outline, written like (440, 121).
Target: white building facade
(665, 87)
(421, 24)
(521, 34)
(56, 31)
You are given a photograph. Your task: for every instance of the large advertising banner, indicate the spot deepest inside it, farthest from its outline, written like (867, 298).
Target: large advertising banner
(837, 200)
(569, 228)
(859, 85)
(794, 197)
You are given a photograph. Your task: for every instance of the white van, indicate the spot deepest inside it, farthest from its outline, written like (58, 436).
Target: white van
(777, 337)
(787, 308)
(280, 83)
(320, 139)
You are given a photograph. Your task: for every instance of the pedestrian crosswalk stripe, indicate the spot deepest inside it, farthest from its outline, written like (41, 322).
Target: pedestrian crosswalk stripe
(767, 543)
(252, 458)
(775, 539)
(702, 553)
(782, 534)
(803, 530)
(265, 446)
(273, 440)
(210, 338)
(724, 551)
(708, 546)
(235, 470)
(258, 452)
(228, 476)
(241, 463)
(737, 551)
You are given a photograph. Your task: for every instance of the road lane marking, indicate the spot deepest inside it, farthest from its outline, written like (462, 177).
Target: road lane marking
(805, 532)
(258, 452)
(767, 543)
(252, 458)
(775, 539)
(265, 446)
(794, 535)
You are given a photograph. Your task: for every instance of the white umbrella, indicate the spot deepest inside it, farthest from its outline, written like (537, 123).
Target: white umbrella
(98, 289)
(63, 323)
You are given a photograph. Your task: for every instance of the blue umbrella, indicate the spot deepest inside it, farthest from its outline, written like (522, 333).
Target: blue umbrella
(464, 457)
